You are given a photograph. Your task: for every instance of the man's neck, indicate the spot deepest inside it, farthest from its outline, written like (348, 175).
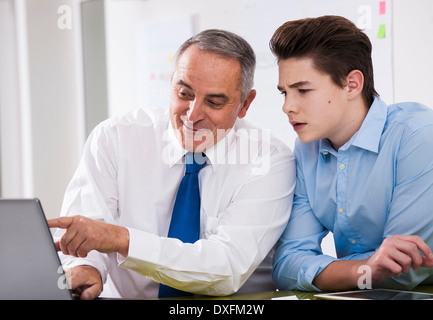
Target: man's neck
(354, 119)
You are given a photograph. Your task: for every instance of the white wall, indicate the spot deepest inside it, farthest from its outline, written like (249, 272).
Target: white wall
(413, 51)
(12, 180)
(54, 100)
(41, 97)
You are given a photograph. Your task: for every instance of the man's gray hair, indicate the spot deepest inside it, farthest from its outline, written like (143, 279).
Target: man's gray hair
(228, 45)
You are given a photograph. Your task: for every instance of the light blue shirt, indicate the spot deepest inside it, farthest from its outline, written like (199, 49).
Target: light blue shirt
(379, 184)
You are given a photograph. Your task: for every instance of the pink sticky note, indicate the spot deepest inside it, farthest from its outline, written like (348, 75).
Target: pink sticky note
(382, 8)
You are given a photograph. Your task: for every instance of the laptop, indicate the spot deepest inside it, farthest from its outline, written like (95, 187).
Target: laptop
(30, 268)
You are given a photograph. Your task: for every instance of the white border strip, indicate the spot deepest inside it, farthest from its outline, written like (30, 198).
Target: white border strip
(24, 96)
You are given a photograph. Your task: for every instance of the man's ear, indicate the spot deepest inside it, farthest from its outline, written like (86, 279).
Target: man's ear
(355, 84)
(246, 104)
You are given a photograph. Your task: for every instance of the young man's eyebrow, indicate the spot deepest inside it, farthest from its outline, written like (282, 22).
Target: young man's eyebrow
(295, 85)
(299, 84)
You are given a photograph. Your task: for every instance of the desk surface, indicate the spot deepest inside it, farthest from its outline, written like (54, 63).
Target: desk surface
(295, 295)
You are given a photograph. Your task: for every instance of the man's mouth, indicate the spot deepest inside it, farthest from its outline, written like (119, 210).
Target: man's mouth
(297, 125)
(189, 126)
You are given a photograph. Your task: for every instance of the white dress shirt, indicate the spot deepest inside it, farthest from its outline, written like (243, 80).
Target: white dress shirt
(129, 175)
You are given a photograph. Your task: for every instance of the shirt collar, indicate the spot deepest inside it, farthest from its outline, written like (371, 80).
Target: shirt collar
(173, 152)
(217, 154)
(369, 134)
(326, 148)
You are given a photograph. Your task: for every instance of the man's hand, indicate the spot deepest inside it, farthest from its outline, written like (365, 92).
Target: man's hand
(85, 281)
(84, 234)
(398, 255)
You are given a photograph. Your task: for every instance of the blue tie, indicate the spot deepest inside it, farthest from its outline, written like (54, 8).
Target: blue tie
(185, 220)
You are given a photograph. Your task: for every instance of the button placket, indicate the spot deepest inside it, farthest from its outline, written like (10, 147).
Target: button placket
(342, 159)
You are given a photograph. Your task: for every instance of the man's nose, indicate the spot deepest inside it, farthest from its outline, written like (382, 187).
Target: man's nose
(289, 106)
(195, 111)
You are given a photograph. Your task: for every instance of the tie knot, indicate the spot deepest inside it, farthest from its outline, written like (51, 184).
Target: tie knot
(194, 162)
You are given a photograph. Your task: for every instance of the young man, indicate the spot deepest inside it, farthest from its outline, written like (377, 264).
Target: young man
(364, 169)
(120, 205)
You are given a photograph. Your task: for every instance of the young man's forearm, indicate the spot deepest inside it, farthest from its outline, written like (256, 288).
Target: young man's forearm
(339, 275)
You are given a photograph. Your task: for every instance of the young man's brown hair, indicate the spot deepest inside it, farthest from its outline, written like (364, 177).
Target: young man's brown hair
(334, 43)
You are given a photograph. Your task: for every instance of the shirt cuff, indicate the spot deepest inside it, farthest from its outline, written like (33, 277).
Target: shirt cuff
(358, 256)
(95, 259)
(311, 269)
(143, 252)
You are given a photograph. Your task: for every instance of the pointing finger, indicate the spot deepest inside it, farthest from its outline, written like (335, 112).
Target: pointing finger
(60, 222)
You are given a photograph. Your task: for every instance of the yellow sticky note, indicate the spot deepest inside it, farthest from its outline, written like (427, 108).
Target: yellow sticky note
(381, 34)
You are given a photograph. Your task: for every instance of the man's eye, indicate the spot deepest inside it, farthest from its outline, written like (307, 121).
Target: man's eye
(304, 91)
(215, 104)
(185, 95)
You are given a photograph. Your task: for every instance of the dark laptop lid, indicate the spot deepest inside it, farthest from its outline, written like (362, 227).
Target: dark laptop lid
(29, 265)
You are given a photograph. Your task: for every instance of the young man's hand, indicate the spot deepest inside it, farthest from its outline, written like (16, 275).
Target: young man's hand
(399, 254)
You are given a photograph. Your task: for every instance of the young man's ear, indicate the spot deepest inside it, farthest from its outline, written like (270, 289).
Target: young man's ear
(246, 104)
(355, 84)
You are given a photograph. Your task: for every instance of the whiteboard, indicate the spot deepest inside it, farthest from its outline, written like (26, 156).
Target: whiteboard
(157, 44)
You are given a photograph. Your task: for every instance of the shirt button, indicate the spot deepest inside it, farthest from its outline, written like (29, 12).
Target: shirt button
(342, 166)
(340, 210)
(353, 241)
(325, 153)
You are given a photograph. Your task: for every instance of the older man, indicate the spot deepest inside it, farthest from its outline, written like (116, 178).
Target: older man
(118, 218)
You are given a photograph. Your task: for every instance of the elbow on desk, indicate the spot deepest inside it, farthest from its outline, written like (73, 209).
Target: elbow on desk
(282, 281)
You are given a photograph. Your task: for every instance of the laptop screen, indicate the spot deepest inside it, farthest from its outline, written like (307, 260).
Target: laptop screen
(29, 265)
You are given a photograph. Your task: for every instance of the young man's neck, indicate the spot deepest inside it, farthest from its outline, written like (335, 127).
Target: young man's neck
(357, 112)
